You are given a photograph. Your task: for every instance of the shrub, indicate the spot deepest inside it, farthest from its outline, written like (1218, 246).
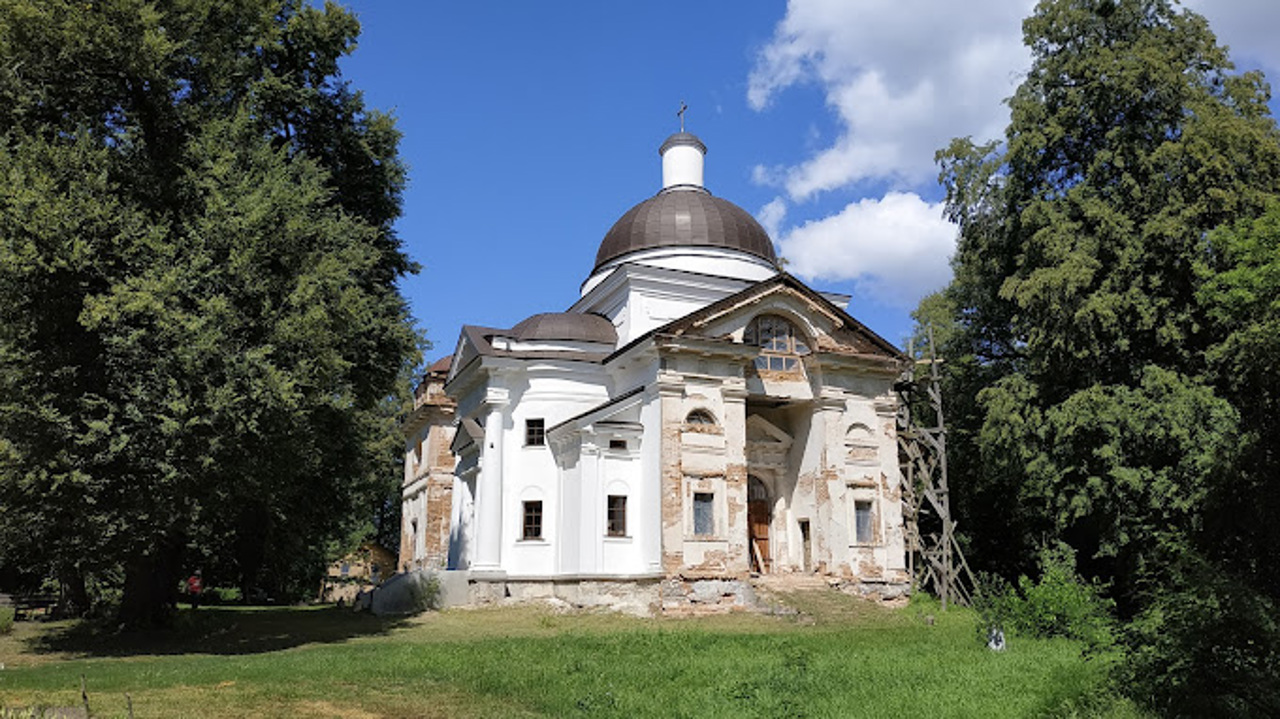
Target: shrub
(425, 593)
(1058, 604)
(223, 595)
(6, 620)
(1207, 645)
(1061, 604)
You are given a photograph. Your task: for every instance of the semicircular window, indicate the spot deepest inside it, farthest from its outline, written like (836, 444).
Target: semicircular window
(700, 416)
(781, 344)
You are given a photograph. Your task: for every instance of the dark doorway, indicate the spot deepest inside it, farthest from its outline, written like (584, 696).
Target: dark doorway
(759, 516)
(807, 544)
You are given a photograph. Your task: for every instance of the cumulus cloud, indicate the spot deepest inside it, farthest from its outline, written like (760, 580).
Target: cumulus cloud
(896, 249)
(903, 78)
(772, 215)
(1249, 28)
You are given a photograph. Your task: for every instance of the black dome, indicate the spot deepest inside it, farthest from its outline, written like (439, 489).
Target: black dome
(685, 217)
(566, 326)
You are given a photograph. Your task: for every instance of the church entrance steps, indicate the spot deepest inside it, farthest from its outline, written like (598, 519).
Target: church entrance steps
(791, 582)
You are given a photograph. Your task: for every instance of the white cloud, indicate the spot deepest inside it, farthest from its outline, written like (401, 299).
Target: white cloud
(772, 215)
(895, 249)
(902, 77)
(1249, 28)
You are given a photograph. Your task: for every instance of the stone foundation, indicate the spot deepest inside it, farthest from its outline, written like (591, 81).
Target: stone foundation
(640, 597)
(683, 596)
(888, 592)
(650, 596)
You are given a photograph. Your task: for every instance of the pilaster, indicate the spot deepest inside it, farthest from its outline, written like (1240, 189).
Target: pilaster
(489, 487)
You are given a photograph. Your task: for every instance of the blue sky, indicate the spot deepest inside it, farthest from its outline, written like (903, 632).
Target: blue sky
(529, 128)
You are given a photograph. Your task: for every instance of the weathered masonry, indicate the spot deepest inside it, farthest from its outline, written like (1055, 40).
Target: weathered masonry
(695, 417)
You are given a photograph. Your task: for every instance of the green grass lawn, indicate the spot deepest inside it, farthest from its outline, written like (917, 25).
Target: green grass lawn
(838, 657)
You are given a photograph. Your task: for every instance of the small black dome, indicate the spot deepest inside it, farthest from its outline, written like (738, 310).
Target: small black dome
(572, 326)
(682, 138)
(685, 217)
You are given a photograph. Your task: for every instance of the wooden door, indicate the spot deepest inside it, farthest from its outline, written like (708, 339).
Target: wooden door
(758, 520)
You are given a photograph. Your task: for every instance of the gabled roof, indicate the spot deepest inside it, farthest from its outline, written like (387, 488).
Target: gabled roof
(863, 340)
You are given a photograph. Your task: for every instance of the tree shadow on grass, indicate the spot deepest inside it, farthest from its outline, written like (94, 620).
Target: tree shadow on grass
(217, 630)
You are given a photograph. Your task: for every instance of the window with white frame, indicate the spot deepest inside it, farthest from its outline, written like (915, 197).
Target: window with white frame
(704, 517)
(864, 528)
(535, 432)
(532, 520)
(781, 344)
(616, 509)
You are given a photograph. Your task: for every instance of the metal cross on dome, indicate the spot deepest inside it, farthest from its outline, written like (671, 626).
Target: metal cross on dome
(680, 114)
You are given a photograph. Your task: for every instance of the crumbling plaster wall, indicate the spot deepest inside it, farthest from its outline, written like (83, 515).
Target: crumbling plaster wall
(702, 458)
(426, 497)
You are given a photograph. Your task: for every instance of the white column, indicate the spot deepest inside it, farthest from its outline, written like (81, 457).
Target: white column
(591, 533)
(489, 486)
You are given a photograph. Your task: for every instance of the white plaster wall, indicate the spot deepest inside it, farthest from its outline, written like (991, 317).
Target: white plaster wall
(682, 165)
(713, 261)
(621, 475)
(461, 523)
(649, 483)
(553, 392)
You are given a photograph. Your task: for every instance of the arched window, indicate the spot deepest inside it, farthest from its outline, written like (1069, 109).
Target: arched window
(780, 343)
(700, 416)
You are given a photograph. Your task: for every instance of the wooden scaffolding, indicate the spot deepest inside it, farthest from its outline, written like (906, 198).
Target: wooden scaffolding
(934, 558)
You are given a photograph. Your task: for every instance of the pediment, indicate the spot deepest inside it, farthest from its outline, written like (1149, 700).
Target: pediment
(829, 328)
(763, 431)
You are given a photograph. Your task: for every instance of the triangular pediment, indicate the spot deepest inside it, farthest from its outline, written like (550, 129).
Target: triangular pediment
(829, 328)
(762, 430)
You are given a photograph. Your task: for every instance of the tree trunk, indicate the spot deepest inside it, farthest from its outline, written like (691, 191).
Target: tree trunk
(151, 587)
(250, 548)
(73, 599)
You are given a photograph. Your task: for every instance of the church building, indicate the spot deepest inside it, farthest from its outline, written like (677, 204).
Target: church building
(697, 418)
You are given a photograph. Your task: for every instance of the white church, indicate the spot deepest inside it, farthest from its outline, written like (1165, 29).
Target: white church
(697, 418)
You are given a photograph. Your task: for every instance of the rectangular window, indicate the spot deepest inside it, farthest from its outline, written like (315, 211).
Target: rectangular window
(704, 519)
(535, 432)
(617, 510)
(864, 529)
(617, 444)
(532, 520)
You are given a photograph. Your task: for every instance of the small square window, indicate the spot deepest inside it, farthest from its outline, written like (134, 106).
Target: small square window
(617, 444)
(864, 529)
(535, 432)
(704, 524)
(617, 510)
(532, 520)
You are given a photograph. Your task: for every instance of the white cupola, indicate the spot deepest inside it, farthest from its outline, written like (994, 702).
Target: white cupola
(682, 155)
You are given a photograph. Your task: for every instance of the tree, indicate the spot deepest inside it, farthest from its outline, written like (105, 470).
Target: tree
(1108, 359)
(1076, 281)
(201, 341)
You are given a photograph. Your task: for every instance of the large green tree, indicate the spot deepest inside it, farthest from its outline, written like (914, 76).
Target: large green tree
(1107, 349)
(201, 340)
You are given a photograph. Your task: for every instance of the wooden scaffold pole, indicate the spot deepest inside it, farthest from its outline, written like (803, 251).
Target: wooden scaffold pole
(933, 555)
